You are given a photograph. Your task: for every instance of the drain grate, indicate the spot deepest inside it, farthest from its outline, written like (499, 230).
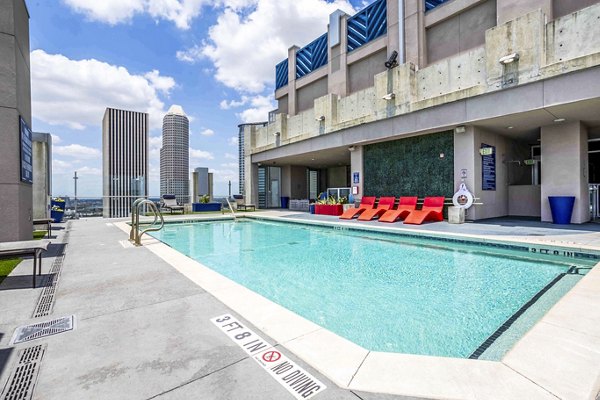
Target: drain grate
(46, 301)
(22, 380)
(43, 329)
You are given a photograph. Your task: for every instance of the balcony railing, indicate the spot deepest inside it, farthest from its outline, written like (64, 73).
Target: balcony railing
(367, 25)
(311, 57)
(281, 74)
(431, 4)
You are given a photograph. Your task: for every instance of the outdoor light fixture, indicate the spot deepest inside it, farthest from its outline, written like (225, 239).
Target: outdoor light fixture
(321, 118)
(392, 61)
(389, 96)
(509, 58)
(276, 133)
(351, 148)
(460, 129)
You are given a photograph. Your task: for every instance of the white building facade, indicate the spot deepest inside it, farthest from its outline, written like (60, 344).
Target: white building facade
(124, 161)
(175, 155)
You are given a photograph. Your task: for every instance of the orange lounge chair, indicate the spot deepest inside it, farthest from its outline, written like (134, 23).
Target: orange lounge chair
(385, 203)
(431, 211)
(366, 203)
(405, 207)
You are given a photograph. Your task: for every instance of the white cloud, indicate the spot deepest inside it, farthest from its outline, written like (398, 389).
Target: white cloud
(233, 141)
(230, 165)
(245, 46)
(191, 55)
(226, 175)
(207, 132)
(56, 139)
(230, 156)
(259, 110)
(60, 165)
(77, 150)
(180, 12)
(75, 93)
(89, 171)
(200, 155)
(226, 105)
(163, 84)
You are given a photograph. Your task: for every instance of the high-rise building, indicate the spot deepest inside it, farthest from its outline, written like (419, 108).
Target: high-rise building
(124, 160)
(15, 121)
(175, 155)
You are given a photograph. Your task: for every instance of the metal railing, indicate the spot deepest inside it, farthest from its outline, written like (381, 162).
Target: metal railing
(135, 235)
(231, 208)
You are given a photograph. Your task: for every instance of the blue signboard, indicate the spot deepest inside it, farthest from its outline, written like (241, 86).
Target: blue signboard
(488, 167)
(26, 152)
(355, 177)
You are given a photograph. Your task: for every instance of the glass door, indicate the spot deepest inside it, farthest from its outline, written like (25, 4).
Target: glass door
(269, 187)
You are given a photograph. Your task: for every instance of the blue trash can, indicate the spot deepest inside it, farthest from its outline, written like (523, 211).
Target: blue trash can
(285, 202)
(562, 208)
(311, 208)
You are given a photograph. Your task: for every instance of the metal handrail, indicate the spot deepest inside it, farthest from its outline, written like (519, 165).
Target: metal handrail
(231, 209)
(135, 233)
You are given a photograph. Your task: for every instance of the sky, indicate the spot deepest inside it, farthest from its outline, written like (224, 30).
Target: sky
(214, 58)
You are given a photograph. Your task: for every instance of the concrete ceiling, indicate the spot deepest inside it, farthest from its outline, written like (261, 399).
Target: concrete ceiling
(317, 159)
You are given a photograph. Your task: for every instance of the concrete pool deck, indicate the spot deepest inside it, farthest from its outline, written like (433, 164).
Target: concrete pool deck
(144, 330)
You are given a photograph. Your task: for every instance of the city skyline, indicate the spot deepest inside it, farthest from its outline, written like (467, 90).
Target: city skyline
(212, 59)
(175, 155)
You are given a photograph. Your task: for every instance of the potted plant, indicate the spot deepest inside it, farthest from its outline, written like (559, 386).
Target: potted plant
(57, 211)
(330, 205)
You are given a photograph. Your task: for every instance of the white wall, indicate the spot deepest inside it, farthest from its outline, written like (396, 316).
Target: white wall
(356, 165)
(564, 168)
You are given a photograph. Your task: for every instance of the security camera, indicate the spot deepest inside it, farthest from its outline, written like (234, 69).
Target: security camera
(392, 61)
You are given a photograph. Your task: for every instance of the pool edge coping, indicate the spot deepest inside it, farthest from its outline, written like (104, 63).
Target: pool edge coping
(366, 372)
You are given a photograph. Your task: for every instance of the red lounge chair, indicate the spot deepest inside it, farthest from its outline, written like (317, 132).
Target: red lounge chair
(385, 203)
(405, 207)
(431, 211)
(365, 204)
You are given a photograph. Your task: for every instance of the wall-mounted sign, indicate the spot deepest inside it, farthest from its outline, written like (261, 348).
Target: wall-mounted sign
(26, 152)
(355, 177)
(488, 167)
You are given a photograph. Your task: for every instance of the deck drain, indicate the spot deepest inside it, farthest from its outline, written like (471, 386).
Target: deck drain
(22, 380)
(46, 301)
(43, 329)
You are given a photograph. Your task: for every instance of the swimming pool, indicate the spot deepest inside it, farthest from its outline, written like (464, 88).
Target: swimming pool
(385, 292)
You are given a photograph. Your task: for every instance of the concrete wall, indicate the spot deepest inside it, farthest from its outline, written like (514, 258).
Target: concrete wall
(15, 100)
(361, 74)
(575, 34)
(42, 174)
(467, 157)
(511, 9)
(306, 95)
(563, 7)
(564, 168)
(299, 188)
(460, 32)
(282, 105)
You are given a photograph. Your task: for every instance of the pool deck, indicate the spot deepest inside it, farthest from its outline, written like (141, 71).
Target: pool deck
(143, 327)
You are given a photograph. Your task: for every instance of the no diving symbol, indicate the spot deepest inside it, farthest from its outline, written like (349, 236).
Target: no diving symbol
(271, 356)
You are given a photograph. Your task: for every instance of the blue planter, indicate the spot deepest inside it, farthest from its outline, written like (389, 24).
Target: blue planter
(285, 202)
(201, 207)
(562, 208)
(57, 216)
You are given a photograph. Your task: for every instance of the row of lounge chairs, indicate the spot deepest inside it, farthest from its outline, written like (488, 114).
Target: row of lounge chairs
(406, 210)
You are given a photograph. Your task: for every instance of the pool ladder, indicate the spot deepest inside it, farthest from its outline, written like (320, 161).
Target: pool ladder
(135, 235)
(231, 209)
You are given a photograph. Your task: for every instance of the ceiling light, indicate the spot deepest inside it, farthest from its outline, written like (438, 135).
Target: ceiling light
(509, 58)
(460, 129)
(510, 127)
(560, 120)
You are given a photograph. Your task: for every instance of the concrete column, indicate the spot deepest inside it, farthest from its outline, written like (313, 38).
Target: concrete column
(508, 10)
(42, 174)
(15, 101)
(564, 168)
(465, 156)
(414, 28)
(357, 166)
(292, 100)
(337, 80)
(286, 180)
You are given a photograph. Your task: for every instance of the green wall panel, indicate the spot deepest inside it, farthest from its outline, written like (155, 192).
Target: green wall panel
(411, 166)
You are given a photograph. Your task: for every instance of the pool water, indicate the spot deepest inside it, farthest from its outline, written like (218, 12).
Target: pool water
(384, 292)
